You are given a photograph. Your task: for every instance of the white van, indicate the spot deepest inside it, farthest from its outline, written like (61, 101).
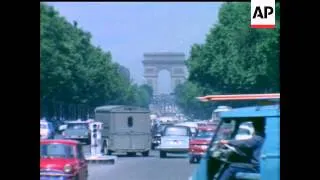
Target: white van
(46, 130)
(126, 129)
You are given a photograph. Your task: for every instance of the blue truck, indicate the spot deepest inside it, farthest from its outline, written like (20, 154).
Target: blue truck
(215, 159)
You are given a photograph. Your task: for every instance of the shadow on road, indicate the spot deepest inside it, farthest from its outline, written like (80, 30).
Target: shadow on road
(137, 155)
(132, 156)
(169, 156)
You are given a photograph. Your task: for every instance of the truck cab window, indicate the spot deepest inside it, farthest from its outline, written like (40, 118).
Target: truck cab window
(130, 121)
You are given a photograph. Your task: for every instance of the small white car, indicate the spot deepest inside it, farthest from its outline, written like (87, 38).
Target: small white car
(244, 132)
(175, 139)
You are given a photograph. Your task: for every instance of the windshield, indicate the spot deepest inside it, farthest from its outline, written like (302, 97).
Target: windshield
(176, 131)
(243, 131)
(56, 151)
(193, 130)
(225, 131)
(43, 126)
(205, 134)
(78, 126)
(161, 128)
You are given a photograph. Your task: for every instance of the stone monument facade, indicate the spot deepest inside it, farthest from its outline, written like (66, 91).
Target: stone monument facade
(173, 62)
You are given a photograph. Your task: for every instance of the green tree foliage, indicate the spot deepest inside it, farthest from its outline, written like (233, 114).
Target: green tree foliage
(186, 99)
(148, 89)
(140, 95)
(74, 71)
(236, 58)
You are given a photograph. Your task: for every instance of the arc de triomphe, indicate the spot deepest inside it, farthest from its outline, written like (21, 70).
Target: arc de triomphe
(173, 62)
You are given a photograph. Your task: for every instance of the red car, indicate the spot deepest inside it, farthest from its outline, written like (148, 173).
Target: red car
(199, 144)
(62, 159)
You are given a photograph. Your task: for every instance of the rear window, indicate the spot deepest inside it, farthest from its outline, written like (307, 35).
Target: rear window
(205, 134)
(193, 130)
(56, 150)
(78, 126)
(176, 131)
(162, 127)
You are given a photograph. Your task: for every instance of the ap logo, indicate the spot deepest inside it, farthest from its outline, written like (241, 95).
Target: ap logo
(263, 14)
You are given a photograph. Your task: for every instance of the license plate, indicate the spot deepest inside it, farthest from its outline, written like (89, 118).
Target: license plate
(175, 142)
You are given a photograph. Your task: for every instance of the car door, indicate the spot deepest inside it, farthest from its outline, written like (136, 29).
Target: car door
(83, 173)
(270, 155)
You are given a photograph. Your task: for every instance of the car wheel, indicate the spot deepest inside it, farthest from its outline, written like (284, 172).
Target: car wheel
(145, 154)
(77, 177)
(163, 154)
(191, 160)
(87, 175)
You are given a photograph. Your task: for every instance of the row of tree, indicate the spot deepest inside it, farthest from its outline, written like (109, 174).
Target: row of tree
(73, 71)
(234, 59)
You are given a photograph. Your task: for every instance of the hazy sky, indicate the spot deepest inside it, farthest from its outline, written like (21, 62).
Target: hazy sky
(130, 29)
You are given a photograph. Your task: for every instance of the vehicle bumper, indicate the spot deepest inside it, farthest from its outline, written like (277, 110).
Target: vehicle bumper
(48, 176)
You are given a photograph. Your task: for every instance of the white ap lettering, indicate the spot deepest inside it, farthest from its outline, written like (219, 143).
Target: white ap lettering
(258, 12)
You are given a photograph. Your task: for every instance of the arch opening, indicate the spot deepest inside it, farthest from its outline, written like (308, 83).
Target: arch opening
(164, 82)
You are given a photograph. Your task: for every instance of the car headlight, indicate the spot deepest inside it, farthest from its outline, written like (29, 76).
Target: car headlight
(67, 168)
(204, 147)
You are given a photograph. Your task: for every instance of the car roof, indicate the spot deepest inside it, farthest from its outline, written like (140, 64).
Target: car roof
(59, 141)
(76, 122)
(189, 124)
(206, 128)
(253, 111)
(120, 109)
(179, 126)
(45, 122)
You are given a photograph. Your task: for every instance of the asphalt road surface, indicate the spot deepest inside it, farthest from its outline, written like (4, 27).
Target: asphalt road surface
(174, 167)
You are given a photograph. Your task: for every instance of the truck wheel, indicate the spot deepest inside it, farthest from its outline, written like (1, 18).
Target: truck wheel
(145, 154)
(109, 152)
(163, 154)
(88, 142)
(131, 154)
